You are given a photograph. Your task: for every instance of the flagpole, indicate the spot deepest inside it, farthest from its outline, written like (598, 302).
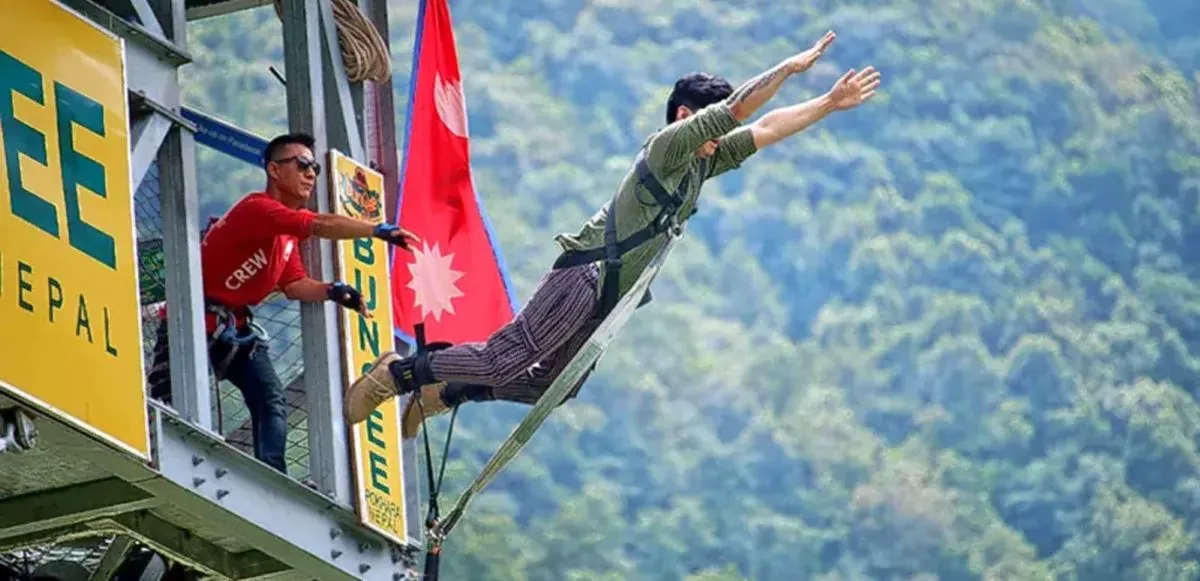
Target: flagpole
(418, 36)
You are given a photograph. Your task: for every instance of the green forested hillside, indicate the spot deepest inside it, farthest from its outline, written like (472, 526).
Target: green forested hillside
(953, 334)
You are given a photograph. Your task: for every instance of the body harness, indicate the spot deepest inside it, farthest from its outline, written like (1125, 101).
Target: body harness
(667, 221)
(227, 338)
(230, 339)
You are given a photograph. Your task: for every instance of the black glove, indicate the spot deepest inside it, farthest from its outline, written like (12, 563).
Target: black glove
(345, 295)
(390, 233)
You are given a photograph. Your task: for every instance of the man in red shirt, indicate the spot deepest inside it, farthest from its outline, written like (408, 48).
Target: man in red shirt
(249, 253)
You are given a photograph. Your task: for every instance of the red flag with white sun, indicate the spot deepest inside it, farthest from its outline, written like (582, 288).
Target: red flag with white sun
(454, 281)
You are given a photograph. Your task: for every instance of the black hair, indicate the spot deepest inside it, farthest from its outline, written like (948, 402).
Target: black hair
(282, 141)
(697, 91)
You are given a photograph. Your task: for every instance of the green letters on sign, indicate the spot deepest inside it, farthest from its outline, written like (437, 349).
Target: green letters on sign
(79, 170)
(73, 109)
(18, 78)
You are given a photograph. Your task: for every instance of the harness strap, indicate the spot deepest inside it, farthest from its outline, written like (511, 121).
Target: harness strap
(581, 257)
(665, 199)
(613, 249)
(226, 331)
(433, 553)
(612, 262)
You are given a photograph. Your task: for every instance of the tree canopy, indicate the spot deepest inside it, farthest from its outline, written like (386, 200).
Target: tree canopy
(951, 334)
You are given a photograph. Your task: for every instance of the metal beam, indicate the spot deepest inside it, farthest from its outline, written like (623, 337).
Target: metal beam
(223, 491)
(173, 113)
(271, 512)
(114, 555)
(147, 135)
(171, 14)
(42, 511)
(181, 545)
(141, 40)
(57, 536)
(185, 295)
(151, 121)
(329, 448)
(200, 9)
(179, 201)
(148, 17)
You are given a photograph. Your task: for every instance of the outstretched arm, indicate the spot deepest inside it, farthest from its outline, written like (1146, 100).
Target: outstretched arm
(734, 148)
(272, 218)
(850, 91)
(755, 93)
(675, 144)
(335, 227)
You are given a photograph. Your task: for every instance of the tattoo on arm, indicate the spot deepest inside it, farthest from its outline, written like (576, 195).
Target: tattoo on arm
(755, 85)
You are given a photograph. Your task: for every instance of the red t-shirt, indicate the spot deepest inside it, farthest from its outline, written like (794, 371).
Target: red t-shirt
(253, 250)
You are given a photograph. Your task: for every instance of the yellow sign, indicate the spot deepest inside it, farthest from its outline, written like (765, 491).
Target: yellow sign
(363, 264)
(68, 273)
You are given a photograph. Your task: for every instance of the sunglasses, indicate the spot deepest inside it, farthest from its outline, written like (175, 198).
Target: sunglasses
(302, 163)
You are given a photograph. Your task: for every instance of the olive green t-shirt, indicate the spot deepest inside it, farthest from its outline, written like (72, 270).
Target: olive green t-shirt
(671, 156)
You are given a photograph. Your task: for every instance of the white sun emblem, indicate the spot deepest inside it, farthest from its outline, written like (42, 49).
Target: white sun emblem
(433, 281)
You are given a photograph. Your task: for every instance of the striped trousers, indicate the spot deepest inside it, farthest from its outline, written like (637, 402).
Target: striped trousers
(520, 360)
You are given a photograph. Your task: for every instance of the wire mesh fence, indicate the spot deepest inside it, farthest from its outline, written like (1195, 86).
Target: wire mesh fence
(279, 317)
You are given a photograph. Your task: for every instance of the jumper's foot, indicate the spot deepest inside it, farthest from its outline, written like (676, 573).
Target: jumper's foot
(372, 390)
(430, 403)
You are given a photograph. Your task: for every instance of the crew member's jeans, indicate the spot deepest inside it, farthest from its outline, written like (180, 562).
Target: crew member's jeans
(252, 373)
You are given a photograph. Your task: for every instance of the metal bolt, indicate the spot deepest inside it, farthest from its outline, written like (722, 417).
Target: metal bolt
(362, 547)
(336, 553)
(221, 472)
(363, 568)
(222, 494)
(334, 533)
(197, 481)
(196, 460)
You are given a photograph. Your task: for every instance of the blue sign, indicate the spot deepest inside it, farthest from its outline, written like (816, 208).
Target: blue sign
(226, 138)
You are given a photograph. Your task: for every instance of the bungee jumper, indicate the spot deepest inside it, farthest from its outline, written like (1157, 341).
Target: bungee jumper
(599, 265)
(545, 354)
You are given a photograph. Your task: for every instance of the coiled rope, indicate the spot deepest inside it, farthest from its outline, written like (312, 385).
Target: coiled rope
(364, 53)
